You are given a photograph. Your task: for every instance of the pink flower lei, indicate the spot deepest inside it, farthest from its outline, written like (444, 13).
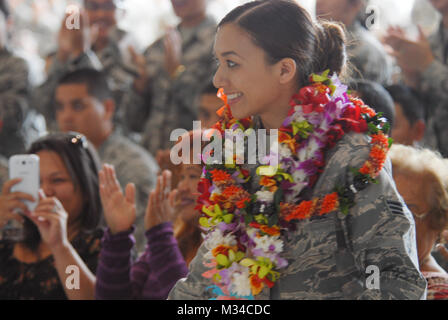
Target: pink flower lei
(244, 231)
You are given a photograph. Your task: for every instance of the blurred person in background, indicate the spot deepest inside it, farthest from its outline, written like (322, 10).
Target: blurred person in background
(172, 71)
(423, 63)
(365, 52)
(409, 125)
(375, 96)
(73, 53)
(63, 230)
(14, 89)
(84, 103)
(110, 44)
(421, 177)
(209, 104)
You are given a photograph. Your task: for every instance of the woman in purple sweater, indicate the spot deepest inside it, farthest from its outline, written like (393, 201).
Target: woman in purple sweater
(162, 263)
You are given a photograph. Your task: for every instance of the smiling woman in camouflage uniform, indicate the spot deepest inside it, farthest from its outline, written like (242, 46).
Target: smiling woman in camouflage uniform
(328, 255)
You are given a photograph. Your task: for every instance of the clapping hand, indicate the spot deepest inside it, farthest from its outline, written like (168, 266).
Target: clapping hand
(73, 39)
(140, 82)
(119, 209)
(161, 204)
(413, 57)
(163, 158)
(173, 50)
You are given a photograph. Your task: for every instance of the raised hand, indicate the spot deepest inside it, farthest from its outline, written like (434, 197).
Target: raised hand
(141, 82)
(10, 202)
(119, 209)
(412, 56)
(163, 158)
(173, 51)
(161, 204)
(73, 40)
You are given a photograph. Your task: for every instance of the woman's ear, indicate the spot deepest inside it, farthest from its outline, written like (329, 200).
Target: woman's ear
(288, 70)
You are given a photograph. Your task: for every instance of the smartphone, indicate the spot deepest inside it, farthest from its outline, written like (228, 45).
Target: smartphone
(26, 167)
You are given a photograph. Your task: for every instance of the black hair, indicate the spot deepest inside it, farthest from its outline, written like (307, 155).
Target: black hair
(4, 7)
(375, 96)
(283, 29)
(96, 82)
(411, 105)
(82, 163)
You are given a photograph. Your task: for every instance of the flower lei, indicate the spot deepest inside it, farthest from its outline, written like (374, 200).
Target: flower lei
(244, 231)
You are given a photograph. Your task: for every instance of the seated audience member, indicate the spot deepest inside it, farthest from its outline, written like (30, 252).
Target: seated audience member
(375, 96)
(73, 53)
(13, 93)
(84, 103)
(365, 52)
(62, 230)
(172, 231)
(409, 123)
(167, 252)
(208, 103)
(421, 178)
(171, 73)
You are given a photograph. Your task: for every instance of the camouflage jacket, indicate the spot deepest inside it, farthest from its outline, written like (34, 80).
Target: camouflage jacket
(43, 96)
(169, 103)
(367, 55)
(329, 255)
(4, 175)
(135, 165)
(13, 102)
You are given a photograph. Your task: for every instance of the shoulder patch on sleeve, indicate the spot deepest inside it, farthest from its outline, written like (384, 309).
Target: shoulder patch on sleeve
(395, 207)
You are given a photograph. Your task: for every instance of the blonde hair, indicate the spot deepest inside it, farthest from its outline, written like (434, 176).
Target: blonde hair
(430, 170)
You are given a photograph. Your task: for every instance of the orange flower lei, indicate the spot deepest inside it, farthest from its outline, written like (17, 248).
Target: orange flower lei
(234, 213)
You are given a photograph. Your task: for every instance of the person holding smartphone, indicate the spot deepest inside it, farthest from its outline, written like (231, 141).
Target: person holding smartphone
(59, 252)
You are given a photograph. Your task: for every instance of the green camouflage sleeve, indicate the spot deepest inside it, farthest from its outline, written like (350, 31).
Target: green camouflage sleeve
(135, 108)
(43, 96)
(381, 232)
(193, 287)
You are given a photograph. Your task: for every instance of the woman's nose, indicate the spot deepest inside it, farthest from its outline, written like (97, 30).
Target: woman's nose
(219, 80)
